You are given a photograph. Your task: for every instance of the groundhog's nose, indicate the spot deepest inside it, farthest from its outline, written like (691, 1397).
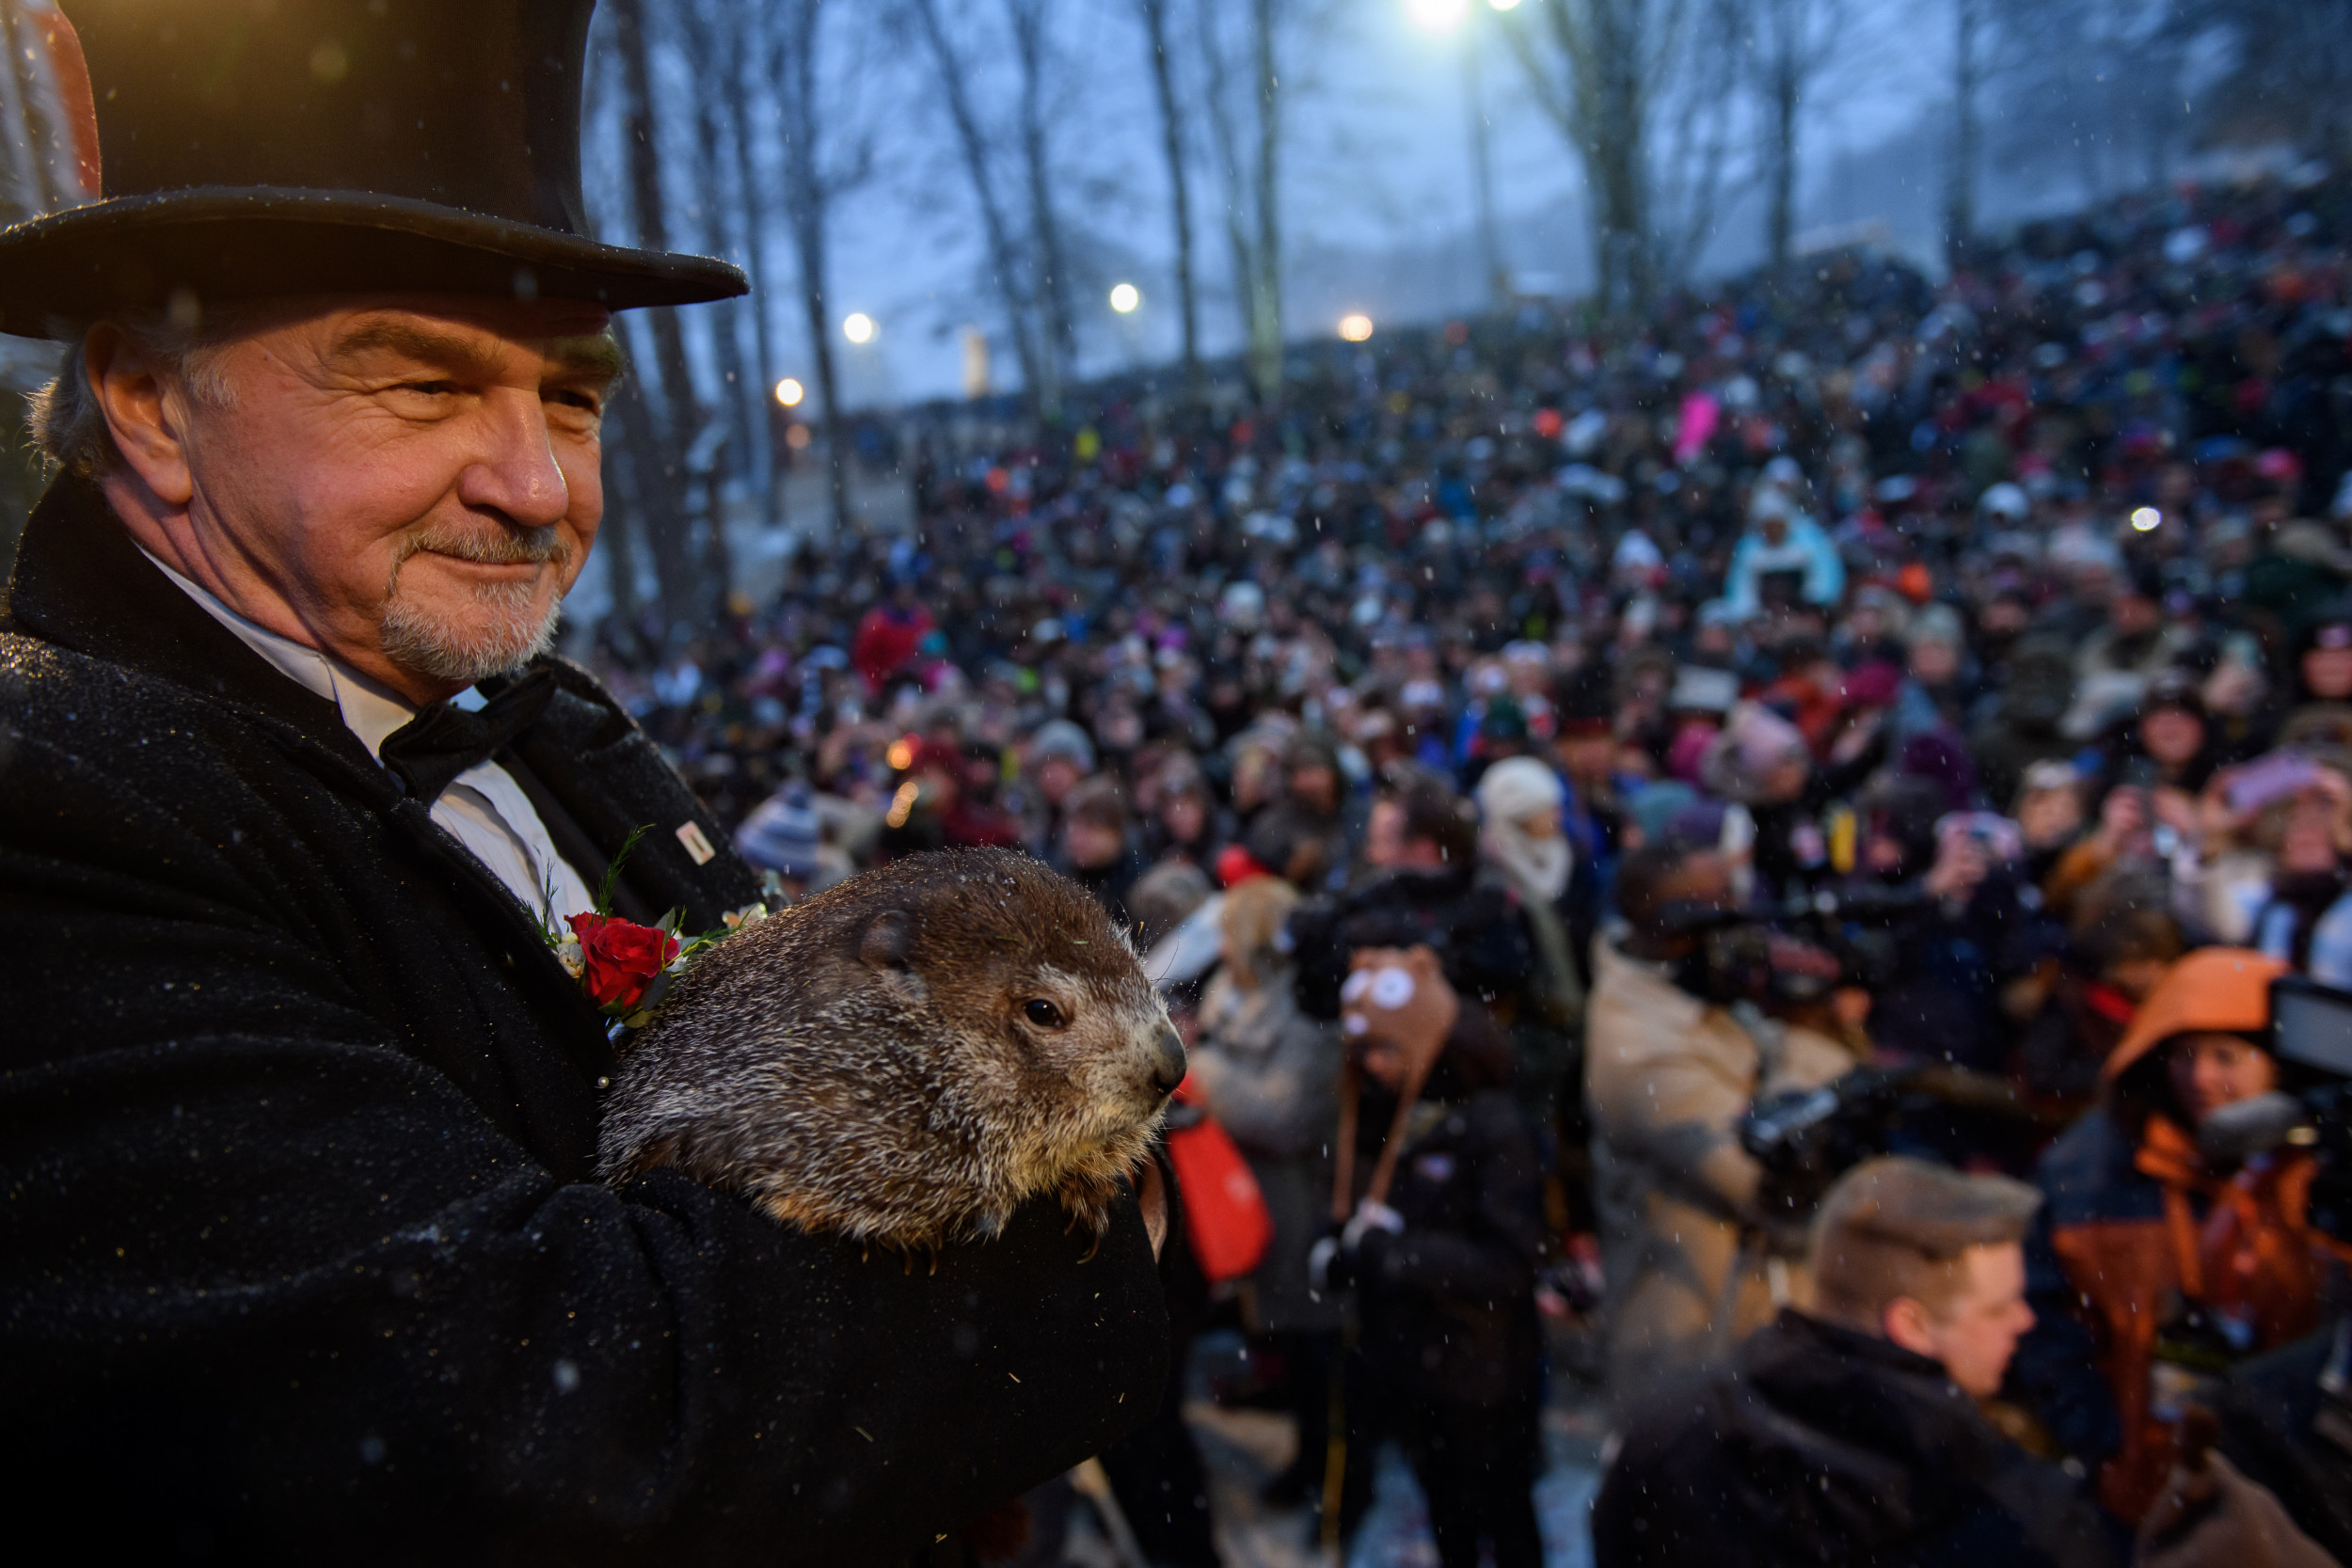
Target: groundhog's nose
(1167, 1060)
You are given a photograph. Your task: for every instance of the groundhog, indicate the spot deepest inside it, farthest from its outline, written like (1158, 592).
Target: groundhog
(907, 1057)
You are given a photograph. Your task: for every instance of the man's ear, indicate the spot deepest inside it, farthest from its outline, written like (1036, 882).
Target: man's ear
(1906, 1322)
(142, 411)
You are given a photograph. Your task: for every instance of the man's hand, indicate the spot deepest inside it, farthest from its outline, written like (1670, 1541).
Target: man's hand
(2123, 821)
(1152, 1192)
(1961, 866)
(2217, 1518)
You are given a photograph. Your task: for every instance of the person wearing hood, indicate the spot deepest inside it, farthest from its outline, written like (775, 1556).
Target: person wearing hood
(1782, 545)
(2152, 1267)
(1520, 840)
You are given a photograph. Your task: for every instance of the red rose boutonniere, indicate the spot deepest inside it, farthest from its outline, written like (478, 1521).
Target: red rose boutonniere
(620, 957)
(624, 967)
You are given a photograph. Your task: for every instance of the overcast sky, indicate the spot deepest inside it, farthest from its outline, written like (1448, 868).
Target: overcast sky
(1378, 195)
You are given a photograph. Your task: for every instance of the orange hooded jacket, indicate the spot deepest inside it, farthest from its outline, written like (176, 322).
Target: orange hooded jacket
(2139, 1225)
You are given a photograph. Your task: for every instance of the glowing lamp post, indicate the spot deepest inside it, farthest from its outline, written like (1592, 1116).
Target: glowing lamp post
(858, 328)
(1356, 327)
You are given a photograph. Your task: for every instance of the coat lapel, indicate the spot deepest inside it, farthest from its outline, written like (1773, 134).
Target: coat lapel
(82, 584)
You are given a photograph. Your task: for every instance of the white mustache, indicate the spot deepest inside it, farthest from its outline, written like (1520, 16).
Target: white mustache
(500, 547)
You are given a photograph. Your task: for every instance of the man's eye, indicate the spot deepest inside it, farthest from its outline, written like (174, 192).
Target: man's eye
(585, 402)
(428, 389)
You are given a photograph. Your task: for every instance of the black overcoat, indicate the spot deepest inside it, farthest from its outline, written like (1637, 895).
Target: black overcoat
(301, 1252)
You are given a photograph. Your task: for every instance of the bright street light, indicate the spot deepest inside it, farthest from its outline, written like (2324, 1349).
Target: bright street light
(789, 392)
(1125, 297)
(858, 328)
(2147, 519)
(1354, 327)
(1437, 16)
(1504, 5)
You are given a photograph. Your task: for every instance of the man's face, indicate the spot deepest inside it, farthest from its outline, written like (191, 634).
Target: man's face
(1091, 845)
(1587, 759)
(1057, 776)
(2133, 616)
(1384, 835)
(1933, 662)
(412, 481)
(2328, 674)
(1316, 787)
(1979, 1329)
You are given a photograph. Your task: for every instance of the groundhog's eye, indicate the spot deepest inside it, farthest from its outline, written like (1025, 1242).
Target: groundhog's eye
(1043, 1013)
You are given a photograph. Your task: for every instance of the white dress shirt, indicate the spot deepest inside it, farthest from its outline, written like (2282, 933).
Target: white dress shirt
(482, 808)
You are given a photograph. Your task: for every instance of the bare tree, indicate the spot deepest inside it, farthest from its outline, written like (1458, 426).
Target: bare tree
(1058, 338)
(1638, 88)
(1175, 153)
(1790, 43)
(1246, 115)
(816, 171)
(1960, 190)
(656, 439)
(2289, 72)
(976, 149)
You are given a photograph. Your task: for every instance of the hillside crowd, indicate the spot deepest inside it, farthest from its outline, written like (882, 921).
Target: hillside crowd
(1850, 679)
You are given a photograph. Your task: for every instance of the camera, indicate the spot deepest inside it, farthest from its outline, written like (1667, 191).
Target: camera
(2311, 1029)
(1795, 951)
(1805, 1139)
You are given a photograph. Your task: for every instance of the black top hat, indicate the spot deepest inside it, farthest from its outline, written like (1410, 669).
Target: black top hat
(260, 148)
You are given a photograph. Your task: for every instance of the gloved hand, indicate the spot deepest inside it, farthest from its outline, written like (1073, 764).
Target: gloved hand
(2217, 1518)
(1333, 1262)
(1328, 1272)
(1370, 1217)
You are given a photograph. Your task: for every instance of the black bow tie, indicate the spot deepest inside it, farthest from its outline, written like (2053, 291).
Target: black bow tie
(443, 740)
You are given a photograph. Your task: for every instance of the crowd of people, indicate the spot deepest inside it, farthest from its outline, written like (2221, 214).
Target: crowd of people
(1851, 678)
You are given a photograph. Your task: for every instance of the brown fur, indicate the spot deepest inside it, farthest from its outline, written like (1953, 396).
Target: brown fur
(863, 1062)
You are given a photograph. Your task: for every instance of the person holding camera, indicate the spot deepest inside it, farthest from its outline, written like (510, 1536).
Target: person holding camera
(1850, 1433)
(2155, 1265)
(1688, 1229)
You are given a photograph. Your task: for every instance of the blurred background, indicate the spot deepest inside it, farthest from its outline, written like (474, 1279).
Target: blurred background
(989, 204)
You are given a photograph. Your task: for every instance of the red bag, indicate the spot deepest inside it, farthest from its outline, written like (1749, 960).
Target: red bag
(1224, 1214)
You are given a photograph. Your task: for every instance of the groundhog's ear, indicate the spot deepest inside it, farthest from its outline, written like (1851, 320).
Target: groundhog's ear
(888, 935)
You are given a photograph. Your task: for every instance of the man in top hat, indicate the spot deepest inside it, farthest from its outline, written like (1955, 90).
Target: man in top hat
(301, 1250)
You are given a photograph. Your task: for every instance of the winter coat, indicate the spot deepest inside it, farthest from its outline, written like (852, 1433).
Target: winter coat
(302, 1252)
(1819, 1445)
(1666, 1079)
(1270, 1075)
(1448, 1303)
(1804, 548)
(2136, 1234)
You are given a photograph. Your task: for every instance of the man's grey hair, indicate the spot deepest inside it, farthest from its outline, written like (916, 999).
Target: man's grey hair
(67, 426)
